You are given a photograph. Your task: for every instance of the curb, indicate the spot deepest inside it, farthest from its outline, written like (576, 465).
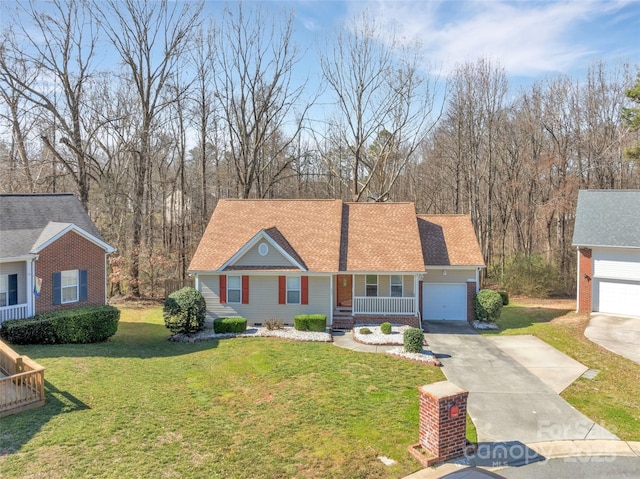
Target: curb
(549, 450)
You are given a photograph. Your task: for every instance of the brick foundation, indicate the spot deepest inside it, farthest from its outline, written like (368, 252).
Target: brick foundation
(412, 321)
(442, 434)
(585, 280)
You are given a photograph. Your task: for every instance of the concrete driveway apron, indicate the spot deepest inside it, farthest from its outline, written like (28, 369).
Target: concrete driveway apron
(506, 401)
(620, 334)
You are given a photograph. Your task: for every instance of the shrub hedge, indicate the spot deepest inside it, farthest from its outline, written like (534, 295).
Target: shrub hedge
(229, 325)
(413, 340)
(184, 311)
(90, 324)
(487, 305)
(310, 322)
(385, 328)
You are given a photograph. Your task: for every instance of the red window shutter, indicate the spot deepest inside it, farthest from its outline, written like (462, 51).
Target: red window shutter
(304, 287)
(282, 290)
(223, 289)
(245, 289)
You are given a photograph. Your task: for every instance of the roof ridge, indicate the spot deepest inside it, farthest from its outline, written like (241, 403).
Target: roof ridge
(37, 194)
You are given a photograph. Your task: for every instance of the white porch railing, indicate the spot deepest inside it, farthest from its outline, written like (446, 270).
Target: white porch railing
(383, 305)
(16, 311)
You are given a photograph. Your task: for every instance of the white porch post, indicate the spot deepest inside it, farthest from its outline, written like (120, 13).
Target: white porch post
(30, 268)
(416, 303)
(197, 281)
(331, 303)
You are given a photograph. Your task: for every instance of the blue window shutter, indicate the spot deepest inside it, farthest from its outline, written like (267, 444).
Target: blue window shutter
(57, 288)
(83, 285)
(13, 289)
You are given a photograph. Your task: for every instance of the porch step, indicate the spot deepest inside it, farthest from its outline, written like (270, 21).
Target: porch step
(342, 320)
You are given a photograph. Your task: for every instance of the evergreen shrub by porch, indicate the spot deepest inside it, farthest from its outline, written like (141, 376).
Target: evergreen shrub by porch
(91, 324)
(365, 331)
(385, 328)
(505, 297)
(413, 340)
(229, 325)
(184, 311)
(487, 305)
(310, 322)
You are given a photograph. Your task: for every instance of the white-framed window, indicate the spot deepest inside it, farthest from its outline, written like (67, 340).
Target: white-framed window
(234, 289)
(396, 286)
(293, 289)
(4, 290)
(371, 285)
(70, 284)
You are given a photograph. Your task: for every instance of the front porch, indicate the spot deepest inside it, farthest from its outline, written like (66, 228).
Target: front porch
(15, 311)
(375, 299)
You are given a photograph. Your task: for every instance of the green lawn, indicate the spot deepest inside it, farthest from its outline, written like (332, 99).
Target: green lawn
(141, 406)
(613, 397)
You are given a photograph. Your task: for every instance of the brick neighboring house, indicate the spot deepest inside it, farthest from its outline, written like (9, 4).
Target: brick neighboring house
(354, 262)
(607, 236)
(49, 237)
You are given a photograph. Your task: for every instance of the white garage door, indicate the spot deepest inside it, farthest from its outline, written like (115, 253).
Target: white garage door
(617, 297)
(444, 301)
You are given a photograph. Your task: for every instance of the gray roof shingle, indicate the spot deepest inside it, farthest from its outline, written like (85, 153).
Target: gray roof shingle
(608, 218)
(27, 220)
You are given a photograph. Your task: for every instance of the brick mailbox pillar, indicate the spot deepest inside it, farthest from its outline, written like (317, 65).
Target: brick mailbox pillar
(443, 423)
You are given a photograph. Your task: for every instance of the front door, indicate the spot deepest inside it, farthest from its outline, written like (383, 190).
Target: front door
(343, 290)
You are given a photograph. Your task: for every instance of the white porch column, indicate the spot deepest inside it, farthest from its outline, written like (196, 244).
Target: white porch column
(30, 270)
(331, 303)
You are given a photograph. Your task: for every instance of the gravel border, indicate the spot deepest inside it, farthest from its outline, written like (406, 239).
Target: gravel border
(424, 357)
(377, 337)
(484, 325)
(254, 332)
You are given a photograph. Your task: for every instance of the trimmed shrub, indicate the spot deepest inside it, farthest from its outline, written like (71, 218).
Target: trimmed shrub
(365, 331)
(91, 324)
(487, 305)
(310, 322)
(229, 325)
(505, 297)
(413, 340)
(184, 311)
(385, 328)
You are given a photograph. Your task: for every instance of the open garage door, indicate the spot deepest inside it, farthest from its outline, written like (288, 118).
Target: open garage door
(444, 301)
(617, 297)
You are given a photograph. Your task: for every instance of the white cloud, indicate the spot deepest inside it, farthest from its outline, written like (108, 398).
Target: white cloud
(527, 38)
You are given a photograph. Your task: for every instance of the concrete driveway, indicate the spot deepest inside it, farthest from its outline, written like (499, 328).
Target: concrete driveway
(619, 334)
(506, 401)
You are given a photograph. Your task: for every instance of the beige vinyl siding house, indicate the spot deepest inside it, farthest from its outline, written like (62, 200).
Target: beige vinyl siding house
(263, 299)
(353, 262)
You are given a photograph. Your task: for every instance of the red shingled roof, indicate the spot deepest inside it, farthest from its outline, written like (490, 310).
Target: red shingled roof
(331, 236)
(449, 240)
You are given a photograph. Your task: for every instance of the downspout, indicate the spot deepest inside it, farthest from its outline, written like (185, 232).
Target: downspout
(477, 280)
(578, 279)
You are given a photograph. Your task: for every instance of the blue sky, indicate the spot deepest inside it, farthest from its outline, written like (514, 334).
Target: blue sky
(529, 39)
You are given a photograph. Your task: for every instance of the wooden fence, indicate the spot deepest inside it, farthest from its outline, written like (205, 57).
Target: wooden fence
(171, 285)
(21, 382)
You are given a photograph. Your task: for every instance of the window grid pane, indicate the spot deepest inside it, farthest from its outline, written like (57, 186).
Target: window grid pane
(234, 289)
(293, 297)
(69, 280)
(233, 296)
(3, 299)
